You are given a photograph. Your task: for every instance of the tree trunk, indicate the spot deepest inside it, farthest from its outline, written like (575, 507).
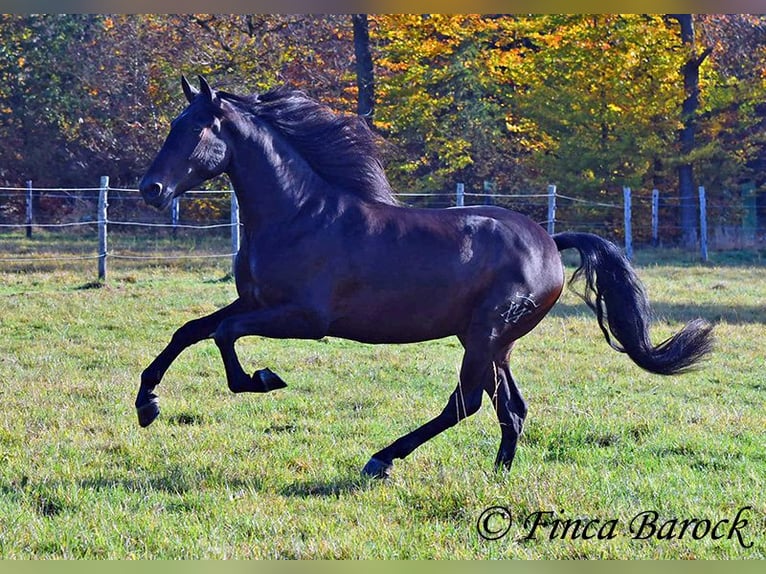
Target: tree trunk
(365, 79)
(688, 215)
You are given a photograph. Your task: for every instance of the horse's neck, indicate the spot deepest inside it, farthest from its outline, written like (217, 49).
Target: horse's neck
(272, 184)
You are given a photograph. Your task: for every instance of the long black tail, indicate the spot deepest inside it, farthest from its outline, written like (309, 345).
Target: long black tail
(616, 295)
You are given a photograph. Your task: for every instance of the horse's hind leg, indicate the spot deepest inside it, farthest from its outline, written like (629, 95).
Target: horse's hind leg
(511, 409)
(465, 400)
(190, 333)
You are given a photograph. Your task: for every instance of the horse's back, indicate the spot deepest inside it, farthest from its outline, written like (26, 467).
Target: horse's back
(424, 273)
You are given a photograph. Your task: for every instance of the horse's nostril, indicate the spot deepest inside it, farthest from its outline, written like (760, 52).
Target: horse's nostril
(154, 190)
(151, 189)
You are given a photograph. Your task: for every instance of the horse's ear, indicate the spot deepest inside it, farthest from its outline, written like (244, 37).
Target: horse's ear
(189, 90)
(205, 89)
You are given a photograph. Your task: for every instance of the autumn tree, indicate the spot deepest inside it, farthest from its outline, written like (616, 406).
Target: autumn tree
(444, 100)
(730, 146)
(89, 95)
(589, 102)
(600, 89)
(42, 97)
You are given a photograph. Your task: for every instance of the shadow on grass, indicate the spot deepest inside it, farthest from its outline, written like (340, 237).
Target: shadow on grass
(178, 480)
(734, 315)
(171, 482)
(330, 488)
(754, 257)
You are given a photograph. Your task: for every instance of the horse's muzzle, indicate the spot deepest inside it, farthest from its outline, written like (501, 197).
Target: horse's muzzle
(155, 194)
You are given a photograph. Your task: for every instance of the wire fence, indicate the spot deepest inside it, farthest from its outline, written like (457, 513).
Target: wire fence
(66, 225)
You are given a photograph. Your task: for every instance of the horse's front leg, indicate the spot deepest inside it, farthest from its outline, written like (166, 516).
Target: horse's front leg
(192, 332)
(286, 322)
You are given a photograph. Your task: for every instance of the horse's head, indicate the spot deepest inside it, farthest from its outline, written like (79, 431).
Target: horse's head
(194, 151)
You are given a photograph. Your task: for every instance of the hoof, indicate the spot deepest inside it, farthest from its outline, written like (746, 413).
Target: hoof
(267, 381)
(148, 412)
(504, 459)
(262, 381)
(376, 468)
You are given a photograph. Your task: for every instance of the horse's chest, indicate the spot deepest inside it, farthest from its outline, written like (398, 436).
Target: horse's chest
(261, 281)
(251, 284)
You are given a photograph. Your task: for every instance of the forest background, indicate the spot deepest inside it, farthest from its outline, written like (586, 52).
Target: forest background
(508, 103)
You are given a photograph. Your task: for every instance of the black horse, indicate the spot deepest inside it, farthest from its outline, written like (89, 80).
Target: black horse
(327, 251)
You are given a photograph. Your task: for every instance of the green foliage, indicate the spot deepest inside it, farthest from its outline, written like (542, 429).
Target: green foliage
(84, 96)
(732, 114)
(40, 92)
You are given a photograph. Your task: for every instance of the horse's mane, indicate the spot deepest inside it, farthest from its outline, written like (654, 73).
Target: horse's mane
(341, 149)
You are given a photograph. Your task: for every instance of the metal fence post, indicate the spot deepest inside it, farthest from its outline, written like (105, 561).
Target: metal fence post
(102, 222)
(551, 209)
(29, 209)
(703, 225)
(175, 211)
(460, 195)
(489, 191)
(655, 217)
(628, 228)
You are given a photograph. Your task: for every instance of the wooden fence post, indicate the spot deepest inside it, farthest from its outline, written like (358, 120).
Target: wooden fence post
(460, 195)
(655, 217)
(29, 209)
(234, 232)
(551, 209)
(703, 225)
(628, 229)
(102, 222)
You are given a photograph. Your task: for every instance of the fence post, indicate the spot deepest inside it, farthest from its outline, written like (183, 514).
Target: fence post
(234, 231)
(460, 195)
(29, 209)
(703, 225)
(551, 209)
(175, 209)
(749, 212)
(628, 229)
(489, 191)
(102, 221)
(655, 217)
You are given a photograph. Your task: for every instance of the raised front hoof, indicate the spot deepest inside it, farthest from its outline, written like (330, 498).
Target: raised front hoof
(148, 412)
(265, 380)
(377, 468)
(262, 381)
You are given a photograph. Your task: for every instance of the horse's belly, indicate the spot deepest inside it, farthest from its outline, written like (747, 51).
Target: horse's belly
(385, 318)
(389, 333)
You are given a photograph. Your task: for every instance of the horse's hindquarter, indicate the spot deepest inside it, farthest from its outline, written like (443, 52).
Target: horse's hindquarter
(405, 275)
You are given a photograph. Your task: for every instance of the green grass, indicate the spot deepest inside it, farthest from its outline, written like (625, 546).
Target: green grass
(277, 475)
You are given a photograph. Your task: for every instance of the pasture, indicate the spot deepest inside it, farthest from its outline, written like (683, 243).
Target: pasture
(278, 475)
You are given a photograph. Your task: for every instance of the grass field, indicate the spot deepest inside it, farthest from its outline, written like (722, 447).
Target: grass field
(277, 475)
